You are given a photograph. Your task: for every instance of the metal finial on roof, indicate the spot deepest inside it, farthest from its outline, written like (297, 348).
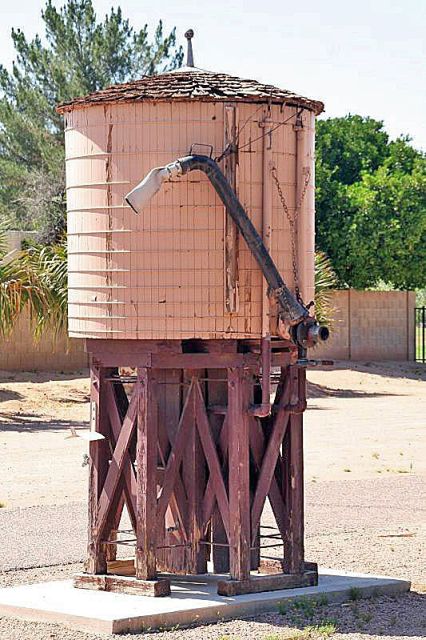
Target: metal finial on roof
(190, 55)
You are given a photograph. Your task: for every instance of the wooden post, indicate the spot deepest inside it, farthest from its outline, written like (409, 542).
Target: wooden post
(146, 500)
(194, 480)
(238, 476)
(99, 456)
(294, 539)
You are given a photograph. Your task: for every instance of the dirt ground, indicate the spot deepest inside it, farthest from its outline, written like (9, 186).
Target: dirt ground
(363, 421)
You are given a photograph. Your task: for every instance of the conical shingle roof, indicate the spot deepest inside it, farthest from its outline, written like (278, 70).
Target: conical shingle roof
(189, 84)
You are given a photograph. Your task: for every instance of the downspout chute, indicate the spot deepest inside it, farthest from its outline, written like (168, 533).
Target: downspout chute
(302, 328)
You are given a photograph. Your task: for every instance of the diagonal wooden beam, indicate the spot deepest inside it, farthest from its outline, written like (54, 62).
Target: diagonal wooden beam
(130, 483)
(117, 462)
(209, 499)
(279, 426)
(210, 453)
(178, 499)
(176, 455)
(257, 447)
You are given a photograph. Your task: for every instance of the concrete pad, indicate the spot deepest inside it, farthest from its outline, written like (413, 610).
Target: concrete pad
(193, 601)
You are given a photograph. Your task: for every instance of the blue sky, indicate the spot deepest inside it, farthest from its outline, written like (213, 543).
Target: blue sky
(366, 57)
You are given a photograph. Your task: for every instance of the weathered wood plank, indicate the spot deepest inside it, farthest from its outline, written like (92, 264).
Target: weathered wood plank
(294, 547)
(121, 567)
(257, 584)
(231, 231)
(293, 478)
(295, 533)
(147, 460)
(238, 476)
(98, 468)
(123, 584)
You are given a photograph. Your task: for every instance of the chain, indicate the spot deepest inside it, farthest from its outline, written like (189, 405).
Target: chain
(292, 220)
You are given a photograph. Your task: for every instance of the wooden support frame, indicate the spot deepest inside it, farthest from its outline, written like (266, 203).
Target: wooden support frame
(192, 483)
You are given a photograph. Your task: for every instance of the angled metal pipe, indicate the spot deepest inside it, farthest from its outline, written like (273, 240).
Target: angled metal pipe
(291, 309)
(292, 313)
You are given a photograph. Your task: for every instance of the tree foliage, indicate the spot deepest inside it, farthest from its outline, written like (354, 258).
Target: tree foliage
(371, 204)
(78, 54)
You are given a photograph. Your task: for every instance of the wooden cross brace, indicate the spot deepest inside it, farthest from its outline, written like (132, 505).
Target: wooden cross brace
(249, 460)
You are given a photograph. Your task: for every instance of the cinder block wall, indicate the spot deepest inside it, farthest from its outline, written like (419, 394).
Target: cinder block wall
(371, 325)
(19, 352)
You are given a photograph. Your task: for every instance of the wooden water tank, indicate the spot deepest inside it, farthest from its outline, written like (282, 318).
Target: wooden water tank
(179, 270)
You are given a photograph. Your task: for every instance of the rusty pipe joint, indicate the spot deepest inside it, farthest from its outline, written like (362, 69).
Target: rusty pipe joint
(308, 333)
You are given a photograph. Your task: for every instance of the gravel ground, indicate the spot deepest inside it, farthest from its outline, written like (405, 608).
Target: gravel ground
(371, 526)
(42, 535)
(374, 526)
(393, 618)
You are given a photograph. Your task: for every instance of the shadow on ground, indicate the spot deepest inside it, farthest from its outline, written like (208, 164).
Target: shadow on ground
(385, 369)
(8, 394)
(322, 391)
(41, 376)
(28, 423)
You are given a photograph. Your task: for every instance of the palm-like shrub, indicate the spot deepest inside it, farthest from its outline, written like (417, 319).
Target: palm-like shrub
(37, 280)
(3, 239)
(325, 282)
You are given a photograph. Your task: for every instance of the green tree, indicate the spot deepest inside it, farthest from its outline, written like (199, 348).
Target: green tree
(79, 54)
(387, 236)
(370, 202)
(351, 145)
